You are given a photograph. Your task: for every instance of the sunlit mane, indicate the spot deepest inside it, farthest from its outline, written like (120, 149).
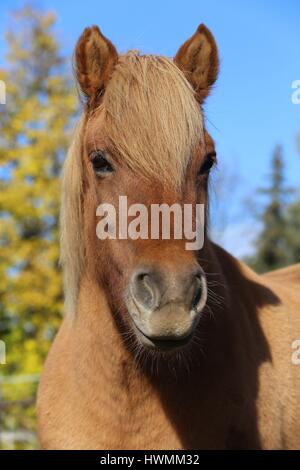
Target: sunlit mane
(153, 122)
(71, 230)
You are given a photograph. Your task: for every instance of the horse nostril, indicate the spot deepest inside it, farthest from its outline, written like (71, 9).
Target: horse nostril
(145, 289)
(151, 289)
(198, 289)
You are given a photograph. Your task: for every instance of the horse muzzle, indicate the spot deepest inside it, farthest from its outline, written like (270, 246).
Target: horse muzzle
(164, 306)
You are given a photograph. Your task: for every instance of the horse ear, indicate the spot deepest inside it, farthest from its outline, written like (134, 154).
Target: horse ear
(95, 59)
(198, 59)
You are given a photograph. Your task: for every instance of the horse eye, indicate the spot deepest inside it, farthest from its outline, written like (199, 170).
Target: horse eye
(100, 163)
(209, 162)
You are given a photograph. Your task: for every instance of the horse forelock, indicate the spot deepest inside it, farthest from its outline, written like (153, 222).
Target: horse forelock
(151, 117)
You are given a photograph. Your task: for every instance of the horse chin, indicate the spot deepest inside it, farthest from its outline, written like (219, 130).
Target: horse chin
(163, 344)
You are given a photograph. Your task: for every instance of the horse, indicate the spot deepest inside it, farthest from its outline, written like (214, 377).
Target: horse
(160, 347)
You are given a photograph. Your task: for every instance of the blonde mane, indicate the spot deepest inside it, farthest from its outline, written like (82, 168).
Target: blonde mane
(152, 121)
(71, 220)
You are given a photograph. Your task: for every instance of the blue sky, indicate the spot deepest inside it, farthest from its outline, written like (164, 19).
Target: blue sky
(250, 110)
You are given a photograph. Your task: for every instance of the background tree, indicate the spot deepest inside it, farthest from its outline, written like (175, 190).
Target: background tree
(34, 134)
(271, 249)
(292, 219)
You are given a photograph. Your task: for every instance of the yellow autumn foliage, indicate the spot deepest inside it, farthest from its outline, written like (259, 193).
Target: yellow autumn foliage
(35, 123)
